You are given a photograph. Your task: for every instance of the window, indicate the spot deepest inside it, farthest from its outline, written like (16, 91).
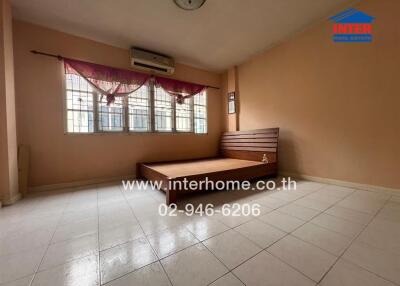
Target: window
(80, 113)
(163, 110)
(148, 109)
(200, 112)
(110, 117)
(139, 110)
(184, 116)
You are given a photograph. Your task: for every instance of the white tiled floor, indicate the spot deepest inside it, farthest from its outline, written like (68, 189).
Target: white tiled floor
(101, 235)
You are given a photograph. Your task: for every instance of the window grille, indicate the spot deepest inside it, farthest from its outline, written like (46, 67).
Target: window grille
(148, 109)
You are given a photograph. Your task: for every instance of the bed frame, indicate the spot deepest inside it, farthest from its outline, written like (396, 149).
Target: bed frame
(259, 145)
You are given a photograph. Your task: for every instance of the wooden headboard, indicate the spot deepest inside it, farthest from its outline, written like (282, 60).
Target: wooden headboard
(251, 144)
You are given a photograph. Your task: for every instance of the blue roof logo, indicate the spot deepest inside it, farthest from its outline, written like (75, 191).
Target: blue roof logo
(351, 16)
(352, 25)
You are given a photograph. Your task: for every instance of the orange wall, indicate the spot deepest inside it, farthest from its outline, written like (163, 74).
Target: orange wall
(8, 136)
(337, 104)
(59, 158)
(230, 84)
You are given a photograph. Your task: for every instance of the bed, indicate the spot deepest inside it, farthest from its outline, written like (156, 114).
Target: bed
(243, 155)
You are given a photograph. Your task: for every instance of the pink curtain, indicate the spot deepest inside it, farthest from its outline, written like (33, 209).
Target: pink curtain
(113, 82)
(180, 89)
(109, 81)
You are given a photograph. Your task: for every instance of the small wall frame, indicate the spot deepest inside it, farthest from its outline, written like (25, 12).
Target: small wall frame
(231, 102)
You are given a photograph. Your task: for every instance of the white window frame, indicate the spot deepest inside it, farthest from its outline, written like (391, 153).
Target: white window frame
(191, 105)
(153, 93)
(151, 116)
(206, 114)
(97, 121)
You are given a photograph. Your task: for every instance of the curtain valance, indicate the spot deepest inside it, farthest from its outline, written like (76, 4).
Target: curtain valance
(180, 89)
(113, 82)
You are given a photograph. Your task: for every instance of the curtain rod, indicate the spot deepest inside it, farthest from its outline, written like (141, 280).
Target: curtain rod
(59, 57)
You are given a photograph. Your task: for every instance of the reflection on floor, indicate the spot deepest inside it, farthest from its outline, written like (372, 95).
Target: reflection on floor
(103, 235)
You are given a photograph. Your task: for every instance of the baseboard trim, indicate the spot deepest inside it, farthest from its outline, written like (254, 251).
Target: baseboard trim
(77, 184)
(348, 184)
(12, 200)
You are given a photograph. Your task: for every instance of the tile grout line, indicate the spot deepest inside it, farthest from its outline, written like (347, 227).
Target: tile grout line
(310, 221)
(324, 227)
(48, 246)
(123, 244)
(147, 239)
(262, 249)
(233, 228)
(65, 241)
(305, 221)
(72, 191)
(65, 262)
(332, 205)
(229, 270)
(290, 233)
(395, 283)
(351, 243)
(159, 259)
(273, 209)
(98, 235)
(201, 241)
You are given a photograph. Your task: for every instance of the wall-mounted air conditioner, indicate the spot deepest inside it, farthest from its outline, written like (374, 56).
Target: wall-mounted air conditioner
(151, 61)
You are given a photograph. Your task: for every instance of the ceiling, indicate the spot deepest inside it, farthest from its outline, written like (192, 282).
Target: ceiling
(219, 35)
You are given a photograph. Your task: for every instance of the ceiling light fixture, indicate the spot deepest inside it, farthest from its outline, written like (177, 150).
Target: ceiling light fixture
(189, 4)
